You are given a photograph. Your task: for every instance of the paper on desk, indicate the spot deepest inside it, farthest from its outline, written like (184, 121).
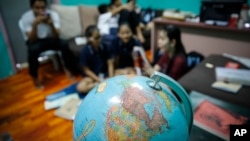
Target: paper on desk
(240, 76)
(229, 87)
(245, 61)
(80, 41)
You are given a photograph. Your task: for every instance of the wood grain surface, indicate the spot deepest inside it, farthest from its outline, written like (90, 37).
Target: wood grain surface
(22, 113)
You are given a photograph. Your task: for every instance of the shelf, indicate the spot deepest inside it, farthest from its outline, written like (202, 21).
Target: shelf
(199, 25)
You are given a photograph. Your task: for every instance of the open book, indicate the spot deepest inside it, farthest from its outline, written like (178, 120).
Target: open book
(216, 120)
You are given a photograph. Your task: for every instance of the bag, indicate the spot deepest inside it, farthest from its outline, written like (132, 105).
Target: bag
(147, 15)
(194, 58)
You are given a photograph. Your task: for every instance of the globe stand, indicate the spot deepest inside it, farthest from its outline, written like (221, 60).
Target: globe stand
(154, 84)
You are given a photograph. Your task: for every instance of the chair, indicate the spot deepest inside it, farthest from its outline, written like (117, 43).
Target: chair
(46, 55)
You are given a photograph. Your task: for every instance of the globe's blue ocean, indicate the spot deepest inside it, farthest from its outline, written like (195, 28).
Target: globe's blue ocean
(127, 108)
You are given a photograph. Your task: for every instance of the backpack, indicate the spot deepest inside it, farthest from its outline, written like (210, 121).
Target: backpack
(147, 15)
(194, 58)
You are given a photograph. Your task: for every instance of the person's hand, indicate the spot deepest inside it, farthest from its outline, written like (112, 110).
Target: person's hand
(49, 19)
(129, 6)
(142, 25)
(148, 69)
(150, 25)
(40, 18)
(141, 38)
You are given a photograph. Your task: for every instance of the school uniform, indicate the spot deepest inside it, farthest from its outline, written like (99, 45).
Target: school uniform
(95, 60)
(175, 67)
(123, 52)
(108, 25)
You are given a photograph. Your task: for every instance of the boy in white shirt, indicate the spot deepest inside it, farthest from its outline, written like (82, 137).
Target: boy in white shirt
(108, 19)
(109, 16)
(40, 28)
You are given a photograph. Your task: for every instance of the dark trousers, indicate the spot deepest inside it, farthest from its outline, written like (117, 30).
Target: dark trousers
(35, 48)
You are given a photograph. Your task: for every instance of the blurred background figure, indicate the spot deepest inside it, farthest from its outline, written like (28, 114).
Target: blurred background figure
(170, 57)
(40, 28)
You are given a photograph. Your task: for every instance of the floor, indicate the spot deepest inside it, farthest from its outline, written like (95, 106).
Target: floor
(22, 113)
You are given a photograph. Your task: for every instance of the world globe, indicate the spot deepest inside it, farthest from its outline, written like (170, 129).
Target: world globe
(134, 108)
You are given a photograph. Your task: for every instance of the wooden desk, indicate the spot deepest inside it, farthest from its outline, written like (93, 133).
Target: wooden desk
(207, 39)
(201, 78)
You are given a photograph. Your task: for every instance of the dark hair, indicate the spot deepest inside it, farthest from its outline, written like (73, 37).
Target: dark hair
(124, 23)
(174, 32)
(130, 1)
(33, 1)
(112, 2)
(90, 30)
(103, 8)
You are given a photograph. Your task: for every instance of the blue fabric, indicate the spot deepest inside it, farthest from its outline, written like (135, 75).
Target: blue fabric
(113, 31)
(107, 39)
(71, 89)
(147, 15)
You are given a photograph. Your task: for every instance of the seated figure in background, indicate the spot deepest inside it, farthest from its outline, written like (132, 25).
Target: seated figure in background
(41, 32)
(171, 55)
(108, 20)
(133, 18)
(122, 47)
(95, 59)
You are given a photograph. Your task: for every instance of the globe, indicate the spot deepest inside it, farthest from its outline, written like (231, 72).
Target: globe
(130, 108)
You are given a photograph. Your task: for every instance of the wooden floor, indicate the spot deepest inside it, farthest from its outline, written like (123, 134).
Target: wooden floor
(22, 112)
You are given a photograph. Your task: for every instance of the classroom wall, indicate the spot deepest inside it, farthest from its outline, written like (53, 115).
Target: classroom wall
(185, 5)
(5, 60)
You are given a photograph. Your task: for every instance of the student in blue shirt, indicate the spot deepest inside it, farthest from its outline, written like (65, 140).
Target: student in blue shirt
(95, 60)
(122, 47)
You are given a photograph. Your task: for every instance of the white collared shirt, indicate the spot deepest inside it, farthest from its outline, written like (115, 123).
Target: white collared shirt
(106, 21)
(43, 29)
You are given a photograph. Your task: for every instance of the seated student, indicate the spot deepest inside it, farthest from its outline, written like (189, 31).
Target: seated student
(107, 18)
(173, 55)
(95, 60)
(133, 18)
(113, 21)
(122, 47)
(41, 32)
